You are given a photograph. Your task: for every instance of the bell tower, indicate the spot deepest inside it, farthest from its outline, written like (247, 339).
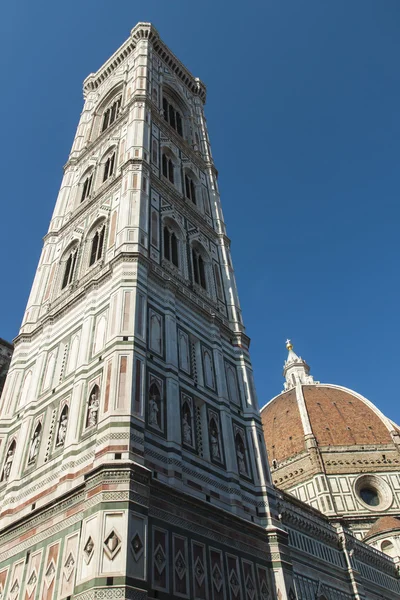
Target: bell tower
(132, 454)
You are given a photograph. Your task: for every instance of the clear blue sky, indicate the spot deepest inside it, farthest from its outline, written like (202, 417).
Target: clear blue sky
(303, 112)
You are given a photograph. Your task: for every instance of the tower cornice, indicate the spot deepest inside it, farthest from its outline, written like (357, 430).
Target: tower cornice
(145, 31)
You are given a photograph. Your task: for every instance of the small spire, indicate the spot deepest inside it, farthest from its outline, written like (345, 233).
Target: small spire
(295, 369)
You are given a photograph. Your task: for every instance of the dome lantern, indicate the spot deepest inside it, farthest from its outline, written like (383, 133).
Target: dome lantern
(295, 369)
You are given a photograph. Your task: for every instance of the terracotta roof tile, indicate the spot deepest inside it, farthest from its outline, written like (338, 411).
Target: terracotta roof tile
(283, 430)
(340, 419)
(383, 524)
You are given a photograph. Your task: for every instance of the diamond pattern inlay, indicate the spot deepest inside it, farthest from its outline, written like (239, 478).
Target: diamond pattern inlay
(69, 566)
(112, 544)
(14, 590)
(234, 583)
(180, 565)
(88, 550)
(50, 573)
(137, 546)
(31, 582)
(250, 589)
(159, 559)
(217, 577)
(199, 571)
(264, 591)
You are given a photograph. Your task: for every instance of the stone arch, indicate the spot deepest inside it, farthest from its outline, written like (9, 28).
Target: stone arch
(155, 332)
(192, 187)
(201, 267)
(173, 243)
(68, 264)
(174, 98)
(184, 351)
(49, 370)
(167, 154)
(107, 166)
(25, 389)
(94, 243)
(387, 547)
(232, 383)
(103, 105)
(73, 354)
(209, 376)
(85, 184)
(99, 338)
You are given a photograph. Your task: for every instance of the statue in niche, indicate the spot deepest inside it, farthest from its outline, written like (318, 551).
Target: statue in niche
(62, 429)
(214, 440)
(93, 409)
(34, 448)
(186, 428)
(240, 454)
(8, 463)
(153, 410)
(154, 406)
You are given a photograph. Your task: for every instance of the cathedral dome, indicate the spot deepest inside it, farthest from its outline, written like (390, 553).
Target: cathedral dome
(333, 449)
(336, 416)
(332, 415)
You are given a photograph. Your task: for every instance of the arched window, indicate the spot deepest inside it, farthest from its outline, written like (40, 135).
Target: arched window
(190, 188)
(199, 272)
(388, 548)
(70, 265)
(96, 251)
(168, 168)
(87, 187)
(172, 116)
(171, 246)
(111, 113)
(109, 167)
